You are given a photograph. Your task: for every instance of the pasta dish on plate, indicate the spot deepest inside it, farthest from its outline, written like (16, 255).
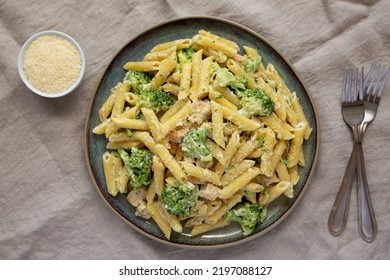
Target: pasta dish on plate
(201, 136)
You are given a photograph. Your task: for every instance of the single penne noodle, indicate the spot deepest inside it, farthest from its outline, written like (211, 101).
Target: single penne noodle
(233, 171)
(281, 129)
(151, 193)
(174, 78)
(131, 113)
(213, 206)
(185, 81)
(201, 173)
(178, 44)
(160, 221)
(126, 145)
(269, 141)
(291, 116)
(166, 67)
(251, 52)
(196, 72)
(172, 220)
(109, 174)
(122, 180)
(117, 166)
(143, 66)
(152, 121)
(239, 183)
(130, 123)
(274, 192)
(257, 153)
(281, 84)
(158, 174)
(203, 228)
(173, 110)
(119, 105)
(294, 176)
(283, 175)
(216, 151)
(220, 39)
(218, 56)
(218, 98)
(301, 157)
(101, 128)
(253, 187)
(231, 148)
(269, 163)
(171, 88)
(159, 55)
(217, 45)
(121, 136)
(130, 98)
(296, 144)
(217, 215)
(245, 149)
(229, 95)
(301, 115)
(282, 172)
(217, 121)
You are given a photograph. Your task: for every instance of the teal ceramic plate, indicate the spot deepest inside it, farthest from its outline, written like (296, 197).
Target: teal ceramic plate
(135, 50)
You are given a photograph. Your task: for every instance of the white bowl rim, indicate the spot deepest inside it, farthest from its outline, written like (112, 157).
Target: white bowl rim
(28, 84)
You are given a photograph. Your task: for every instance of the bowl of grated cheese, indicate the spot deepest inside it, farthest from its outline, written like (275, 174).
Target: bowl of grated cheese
(51, 64)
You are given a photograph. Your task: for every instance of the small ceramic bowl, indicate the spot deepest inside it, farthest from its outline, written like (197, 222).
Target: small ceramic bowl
(69, 89)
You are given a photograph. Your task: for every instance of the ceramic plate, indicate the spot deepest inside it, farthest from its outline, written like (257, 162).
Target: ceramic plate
(135, 50)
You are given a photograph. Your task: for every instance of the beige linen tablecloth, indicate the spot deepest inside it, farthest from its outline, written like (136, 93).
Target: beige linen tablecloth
(49, 207)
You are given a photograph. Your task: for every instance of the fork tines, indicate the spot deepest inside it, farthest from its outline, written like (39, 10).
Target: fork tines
(373, 92)
(352, 90)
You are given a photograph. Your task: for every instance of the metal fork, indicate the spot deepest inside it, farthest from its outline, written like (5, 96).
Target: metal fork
(366, 217)
(339, 213)
(353, 114)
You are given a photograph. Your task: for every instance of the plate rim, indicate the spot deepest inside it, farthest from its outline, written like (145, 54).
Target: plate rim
(213, 245)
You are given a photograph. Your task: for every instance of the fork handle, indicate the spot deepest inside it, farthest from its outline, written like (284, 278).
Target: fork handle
(366, 217)
(339, 214)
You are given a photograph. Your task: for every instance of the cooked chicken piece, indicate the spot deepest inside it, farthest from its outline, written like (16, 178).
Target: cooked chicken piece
(209, 192)
(201, 112)
(136, 196)
(177, 134)
(142, 211)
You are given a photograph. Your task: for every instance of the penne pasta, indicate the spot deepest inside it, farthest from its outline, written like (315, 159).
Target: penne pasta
(182, 144)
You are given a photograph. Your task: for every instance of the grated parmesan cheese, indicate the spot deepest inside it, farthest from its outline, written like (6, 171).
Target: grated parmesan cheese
(51, 64)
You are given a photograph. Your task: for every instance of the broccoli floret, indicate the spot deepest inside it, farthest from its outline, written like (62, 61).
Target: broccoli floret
(193, 144)
(138, 80)
(183, 56)
(179, 198)
(256, 102)
(252, 64)
(248, 215)
(138, 166)
(224, 78)
(157, 100)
